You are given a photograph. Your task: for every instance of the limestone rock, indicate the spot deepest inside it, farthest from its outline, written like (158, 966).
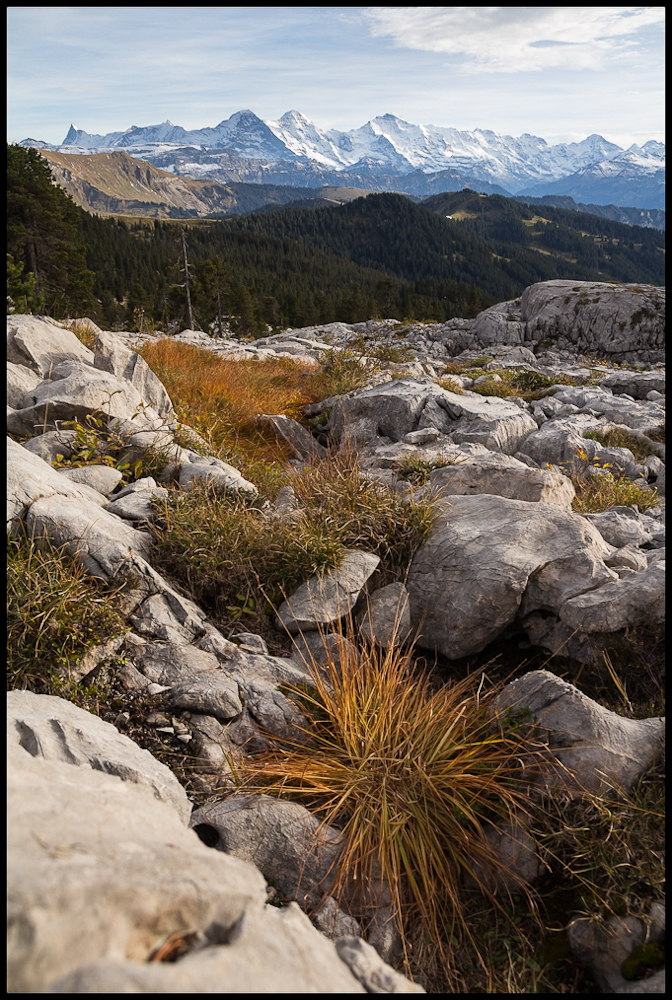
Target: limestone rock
(387, 619)
(39, 343)
(504, 476)
(105, 544)
(111, 355)
(29, 478)
(56, 730)
(324, 600)
(596, 748)
(467, 581)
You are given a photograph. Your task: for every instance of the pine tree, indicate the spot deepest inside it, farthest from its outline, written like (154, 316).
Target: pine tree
(42, 234)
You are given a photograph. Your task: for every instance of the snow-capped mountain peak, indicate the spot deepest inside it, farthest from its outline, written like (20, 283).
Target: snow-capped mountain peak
(385, 144)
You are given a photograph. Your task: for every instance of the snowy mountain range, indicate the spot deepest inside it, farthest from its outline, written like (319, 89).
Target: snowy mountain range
(388, 153)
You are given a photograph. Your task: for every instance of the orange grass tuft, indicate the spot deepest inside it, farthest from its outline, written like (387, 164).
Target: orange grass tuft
(415, 778)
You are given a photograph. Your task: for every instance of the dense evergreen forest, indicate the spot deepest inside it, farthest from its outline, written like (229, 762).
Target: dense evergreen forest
(377, 256)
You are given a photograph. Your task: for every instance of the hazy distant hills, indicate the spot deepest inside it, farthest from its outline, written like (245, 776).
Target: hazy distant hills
(389, 154)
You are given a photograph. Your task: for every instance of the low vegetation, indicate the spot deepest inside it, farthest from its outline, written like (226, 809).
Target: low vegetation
(55, 613)
(621, 438)
(412, 770)
(415, 777)
(603, 489)
(230, 552)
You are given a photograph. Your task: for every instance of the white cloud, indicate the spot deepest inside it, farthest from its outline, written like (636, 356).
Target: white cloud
(514, 39)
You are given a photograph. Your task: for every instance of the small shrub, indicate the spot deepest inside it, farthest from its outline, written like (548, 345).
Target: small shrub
(225, 550)
(415, 469)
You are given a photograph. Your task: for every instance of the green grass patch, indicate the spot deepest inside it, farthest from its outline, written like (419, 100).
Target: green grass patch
(55, 613)
(618, 438)
(599, 492)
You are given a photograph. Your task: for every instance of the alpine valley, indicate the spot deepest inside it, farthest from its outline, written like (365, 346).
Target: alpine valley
(390, 154)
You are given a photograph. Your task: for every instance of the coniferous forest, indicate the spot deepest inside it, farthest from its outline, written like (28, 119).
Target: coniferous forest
(382, 255)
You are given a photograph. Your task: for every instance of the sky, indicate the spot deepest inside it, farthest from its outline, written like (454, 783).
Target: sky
(561, 73)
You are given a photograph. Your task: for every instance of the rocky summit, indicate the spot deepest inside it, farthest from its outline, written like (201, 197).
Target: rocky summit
(118, 880)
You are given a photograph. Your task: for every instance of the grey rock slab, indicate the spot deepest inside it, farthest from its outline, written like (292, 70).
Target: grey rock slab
(101, 478)
(325, 599)
(301, 442)
(272, 951)
(492, 421)
(635, 384)
(296, 853)
(467, 582)
(596, 317)
(52, 444)
(105, 544)
(57, 730)
(620, 409)
(210, 693)
(620, 526)
(323, 650)
(559, 440)
(138, 505)
(215, 472)
(77, 390)
(111, 355)
(627, 557)
(387, 619)
(634, 598)
(100, 870)
(596, 748)
(29, 478)
(367, 966)
(170, 664)
(504, 476)
(39, 343)
(20, 379)
(273, 711)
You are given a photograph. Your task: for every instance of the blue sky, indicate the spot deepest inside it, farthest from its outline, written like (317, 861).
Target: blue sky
(558, 72)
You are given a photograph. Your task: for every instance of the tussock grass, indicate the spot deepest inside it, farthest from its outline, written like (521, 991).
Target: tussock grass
(222, 546)
(414, 776)
(55, 613)
(221, 399)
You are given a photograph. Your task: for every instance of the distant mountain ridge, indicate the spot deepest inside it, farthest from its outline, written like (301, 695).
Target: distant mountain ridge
(388, 150)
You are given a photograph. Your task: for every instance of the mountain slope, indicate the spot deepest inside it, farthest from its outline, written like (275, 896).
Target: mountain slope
(494, 250)
(118, 184)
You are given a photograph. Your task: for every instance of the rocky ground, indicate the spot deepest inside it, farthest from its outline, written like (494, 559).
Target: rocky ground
(490, 416)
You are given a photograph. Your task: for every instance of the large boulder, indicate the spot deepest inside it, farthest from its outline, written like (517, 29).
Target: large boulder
(112, 356)
(488, 558)
(503, 476)
(395, 409)
(594, 749)
(624, 322)
(107, 887)
(39, 343)
(74, 391)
